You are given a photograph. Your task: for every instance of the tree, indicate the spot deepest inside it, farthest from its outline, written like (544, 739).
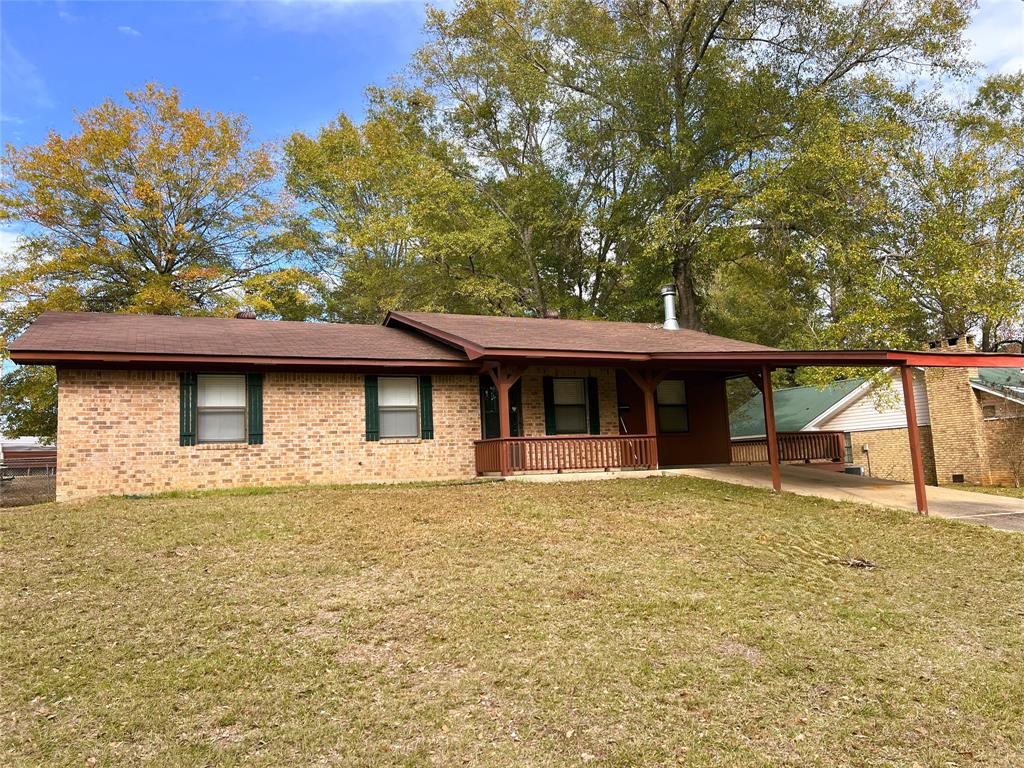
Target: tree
(952, 258)
(391, 218)
(149, 207)
(28, 401)
(690, 110)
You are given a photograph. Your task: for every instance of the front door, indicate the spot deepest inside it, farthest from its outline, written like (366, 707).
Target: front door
(490, 423)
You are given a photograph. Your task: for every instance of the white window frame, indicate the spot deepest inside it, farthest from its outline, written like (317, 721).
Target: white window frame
(382, 409)
(201, 409)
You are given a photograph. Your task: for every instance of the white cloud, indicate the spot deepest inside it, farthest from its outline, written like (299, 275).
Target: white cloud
(19, 75)
(64, 13)
(996, 34)
(8, 246)
(310, 15)
(129, 31)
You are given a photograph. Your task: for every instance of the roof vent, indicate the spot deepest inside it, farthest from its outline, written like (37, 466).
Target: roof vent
(552, 314)
(669, 293)
(245, 314)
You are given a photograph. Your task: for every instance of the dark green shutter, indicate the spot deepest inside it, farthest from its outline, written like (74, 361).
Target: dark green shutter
(594, 404)
(254, 407)
(188, 404)
(372, 409)
(426, 408)
(549, 405)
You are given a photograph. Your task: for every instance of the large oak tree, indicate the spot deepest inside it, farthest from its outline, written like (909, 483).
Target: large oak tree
(148, 207)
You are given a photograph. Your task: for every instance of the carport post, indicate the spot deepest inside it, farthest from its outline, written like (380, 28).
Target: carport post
(769, 426)
(916, 462)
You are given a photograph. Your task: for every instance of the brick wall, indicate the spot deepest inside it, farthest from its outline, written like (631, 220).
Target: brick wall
(118, 433)
(890, 454)
(957, 422)
(1004, 440)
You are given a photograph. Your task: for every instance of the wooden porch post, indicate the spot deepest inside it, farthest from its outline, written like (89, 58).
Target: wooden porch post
(504, 377)
(648, 382)
(771, 436)
(916, 462)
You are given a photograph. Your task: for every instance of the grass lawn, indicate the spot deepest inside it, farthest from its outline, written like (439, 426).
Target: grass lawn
(996, 490)
(667, 621)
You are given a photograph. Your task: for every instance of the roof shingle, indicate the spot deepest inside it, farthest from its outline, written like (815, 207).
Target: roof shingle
(600, 336)
(88, 332)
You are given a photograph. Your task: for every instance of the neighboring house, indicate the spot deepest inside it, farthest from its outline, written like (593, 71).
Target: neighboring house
(971, 422)
(26, 456)
(156, 403)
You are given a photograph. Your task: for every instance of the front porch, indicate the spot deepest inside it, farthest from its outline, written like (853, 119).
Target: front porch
(581, 418)
(556, 419)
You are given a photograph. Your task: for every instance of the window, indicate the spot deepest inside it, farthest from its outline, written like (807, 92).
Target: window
(569, 400)
(848, 444)
(989, 412)
(221, 408)
(673, 414)
(398, 402)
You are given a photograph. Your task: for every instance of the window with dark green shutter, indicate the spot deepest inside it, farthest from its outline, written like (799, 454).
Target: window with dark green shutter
(566, 408)
(254, 407)
(372, 409)
(399, 406)
(221, 408)
(187, 408)
(426, 408)
(549, 406)
(593, 406)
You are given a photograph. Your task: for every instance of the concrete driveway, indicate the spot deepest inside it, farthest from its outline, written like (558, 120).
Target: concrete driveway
(1002, 512)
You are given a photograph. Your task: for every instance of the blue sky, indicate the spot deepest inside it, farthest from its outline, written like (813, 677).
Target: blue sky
(287, 64)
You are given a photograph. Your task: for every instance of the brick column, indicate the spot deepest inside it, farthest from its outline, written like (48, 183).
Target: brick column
(957, 425)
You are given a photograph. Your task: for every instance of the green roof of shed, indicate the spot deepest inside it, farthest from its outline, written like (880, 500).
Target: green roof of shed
(795, 408)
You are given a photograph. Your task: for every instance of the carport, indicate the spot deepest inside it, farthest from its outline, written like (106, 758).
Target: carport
(905, 361)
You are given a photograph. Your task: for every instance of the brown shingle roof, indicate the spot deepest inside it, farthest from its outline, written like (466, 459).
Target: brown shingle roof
(87, 332)
(489, 332)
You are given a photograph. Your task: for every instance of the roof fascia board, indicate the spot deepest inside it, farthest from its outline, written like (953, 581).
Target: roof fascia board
(25, 357)
(960, 360)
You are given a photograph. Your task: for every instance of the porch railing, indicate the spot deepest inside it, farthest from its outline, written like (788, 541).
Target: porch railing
(558, 453)
(793, 446)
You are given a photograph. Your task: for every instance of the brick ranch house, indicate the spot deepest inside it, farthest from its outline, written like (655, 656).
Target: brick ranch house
(971, 422)
(158, 403)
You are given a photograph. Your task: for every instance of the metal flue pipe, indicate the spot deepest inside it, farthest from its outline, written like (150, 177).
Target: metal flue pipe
(669, 293)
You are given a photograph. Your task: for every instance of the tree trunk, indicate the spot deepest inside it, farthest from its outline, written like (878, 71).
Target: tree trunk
(539, 299)
(689, 312)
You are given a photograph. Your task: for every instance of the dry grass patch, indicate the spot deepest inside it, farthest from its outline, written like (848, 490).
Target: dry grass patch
(635, 622)
(995, 490)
